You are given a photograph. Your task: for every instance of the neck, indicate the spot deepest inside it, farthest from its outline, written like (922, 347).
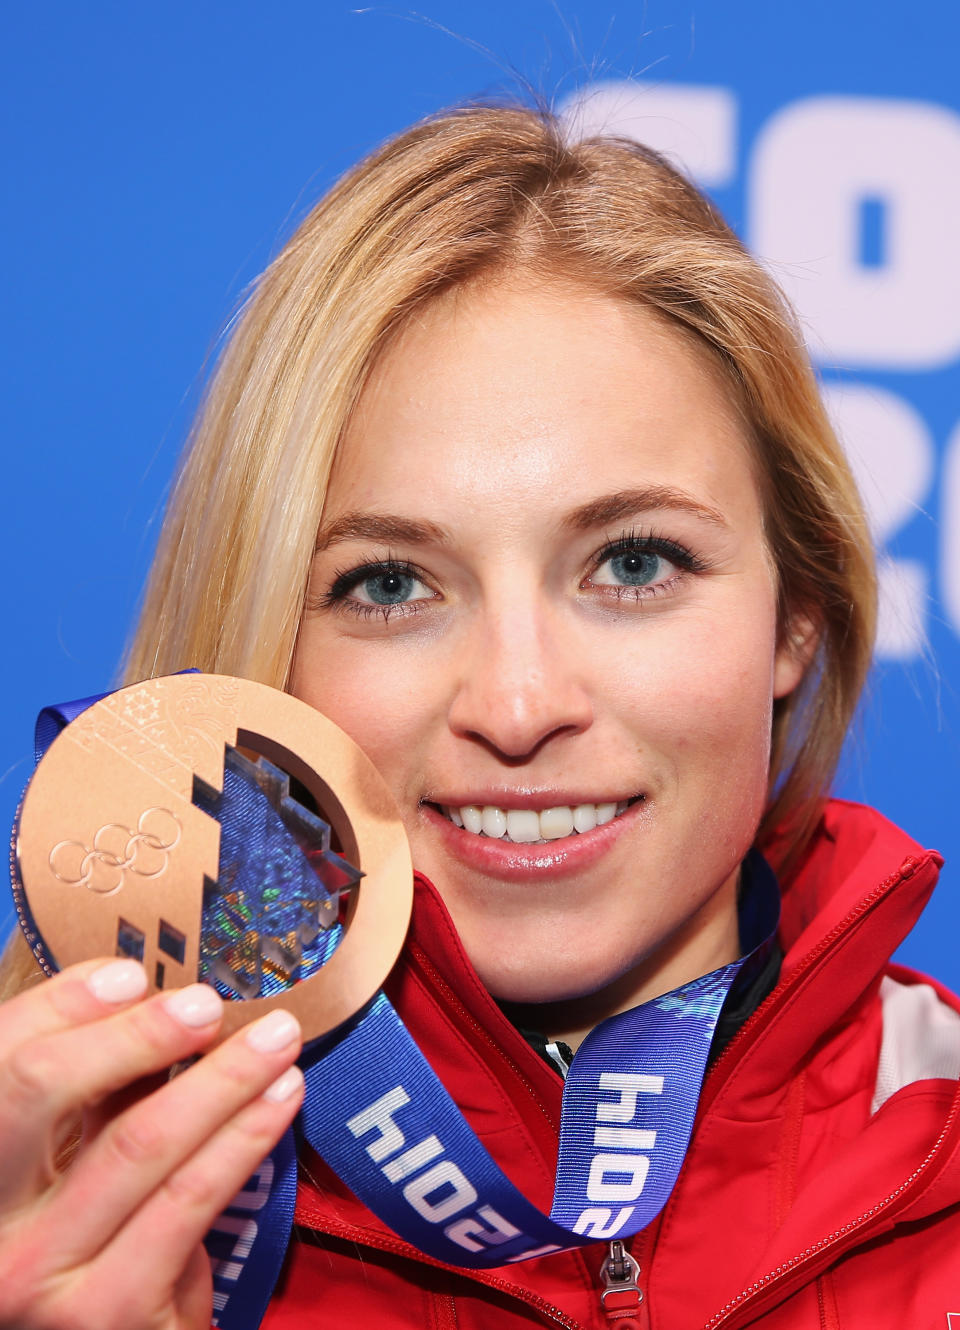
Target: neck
(702, 944)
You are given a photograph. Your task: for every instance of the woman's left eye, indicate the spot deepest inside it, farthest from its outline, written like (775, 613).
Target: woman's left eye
(641, 565)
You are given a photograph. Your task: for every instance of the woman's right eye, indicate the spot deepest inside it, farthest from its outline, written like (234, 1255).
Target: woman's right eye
(390, 587)
(378, 588)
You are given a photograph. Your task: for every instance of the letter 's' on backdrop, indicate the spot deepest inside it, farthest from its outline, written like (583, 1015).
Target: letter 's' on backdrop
(158, 153)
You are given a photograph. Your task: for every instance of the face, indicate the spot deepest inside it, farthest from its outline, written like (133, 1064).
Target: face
(543, 605)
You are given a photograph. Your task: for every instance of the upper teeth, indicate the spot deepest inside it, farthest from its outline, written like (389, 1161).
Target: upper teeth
(527, 825)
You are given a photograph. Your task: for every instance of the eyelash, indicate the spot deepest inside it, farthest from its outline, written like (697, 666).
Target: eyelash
(345, 580)
(338, 598)
(646, 542)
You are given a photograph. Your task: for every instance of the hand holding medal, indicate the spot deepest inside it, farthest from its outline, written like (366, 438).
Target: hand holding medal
(139, 836)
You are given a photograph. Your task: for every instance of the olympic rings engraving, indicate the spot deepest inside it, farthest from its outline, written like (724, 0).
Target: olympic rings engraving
(117, 850)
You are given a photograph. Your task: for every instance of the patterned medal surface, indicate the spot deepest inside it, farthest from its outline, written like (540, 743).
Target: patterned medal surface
(162, 823)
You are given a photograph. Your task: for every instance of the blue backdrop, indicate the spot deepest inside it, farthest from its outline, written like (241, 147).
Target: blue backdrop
(157, 154)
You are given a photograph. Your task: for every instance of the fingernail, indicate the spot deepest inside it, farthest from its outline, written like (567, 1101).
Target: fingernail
(284, 1086)
(119, 981)
(195, 1005)
(272, 1032)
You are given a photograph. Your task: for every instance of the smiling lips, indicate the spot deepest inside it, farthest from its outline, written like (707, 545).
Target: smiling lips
(533, 844)
(527, 826)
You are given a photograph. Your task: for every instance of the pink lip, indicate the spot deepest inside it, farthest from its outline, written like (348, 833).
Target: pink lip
(530, 798)
(532, 863)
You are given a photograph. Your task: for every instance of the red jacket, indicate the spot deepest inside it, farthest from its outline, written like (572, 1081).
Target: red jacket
(822, 1185)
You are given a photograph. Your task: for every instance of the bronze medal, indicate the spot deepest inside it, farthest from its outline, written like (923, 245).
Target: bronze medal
(116, 851)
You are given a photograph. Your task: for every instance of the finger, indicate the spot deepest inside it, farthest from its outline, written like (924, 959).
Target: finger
(193, 1292)
(97, 1116)
(82, 993)
(97, 1298)
(176, 1217)
(50, 1078)
(156, 1271)
(139, 1151)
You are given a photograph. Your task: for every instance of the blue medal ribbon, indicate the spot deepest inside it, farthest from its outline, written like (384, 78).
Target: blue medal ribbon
(376, 1112)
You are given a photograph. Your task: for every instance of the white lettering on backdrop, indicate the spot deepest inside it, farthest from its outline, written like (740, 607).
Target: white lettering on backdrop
(852, 202)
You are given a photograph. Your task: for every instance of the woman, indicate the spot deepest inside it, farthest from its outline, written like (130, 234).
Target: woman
(589, 581)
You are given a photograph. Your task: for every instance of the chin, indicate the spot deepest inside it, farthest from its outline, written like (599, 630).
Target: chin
(537, 982)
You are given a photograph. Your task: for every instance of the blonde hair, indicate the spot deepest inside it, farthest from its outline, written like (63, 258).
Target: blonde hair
(466, 195)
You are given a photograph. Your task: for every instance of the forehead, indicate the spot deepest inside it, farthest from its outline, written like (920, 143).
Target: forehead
(497, 394)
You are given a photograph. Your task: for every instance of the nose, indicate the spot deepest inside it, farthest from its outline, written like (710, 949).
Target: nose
(520, 685)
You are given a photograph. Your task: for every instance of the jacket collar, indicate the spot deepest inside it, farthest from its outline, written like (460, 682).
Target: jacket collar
(860, 888)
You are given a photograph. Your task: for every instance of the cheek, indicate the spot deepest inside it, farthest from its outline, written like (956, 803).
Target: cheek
(700, 717)
(384, 710)
(702, 683)
(730, 704)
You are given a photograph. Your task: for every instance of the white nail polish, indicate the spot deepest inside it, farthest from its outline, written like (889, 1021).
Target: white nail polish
(272, 1032)
(285, 1086)
(196, 1005)
(118, 981)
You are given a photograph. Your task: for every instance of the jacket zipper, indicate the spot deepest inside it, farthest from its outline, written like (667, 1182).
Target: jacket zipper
(620, 1271)
(829, 1319)
(620, 1275)
(448, 1320)
(906, 871)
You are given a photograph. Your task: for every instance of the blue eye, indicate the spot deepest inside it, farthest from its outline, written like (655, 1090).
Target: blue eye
(636, 567)
(376, 588)
(644, 564)
(391, 587)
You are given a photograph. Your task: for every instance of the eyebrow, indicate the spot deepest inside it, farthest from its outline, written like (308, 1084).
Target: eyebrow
(612, 507)
(382, 527)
